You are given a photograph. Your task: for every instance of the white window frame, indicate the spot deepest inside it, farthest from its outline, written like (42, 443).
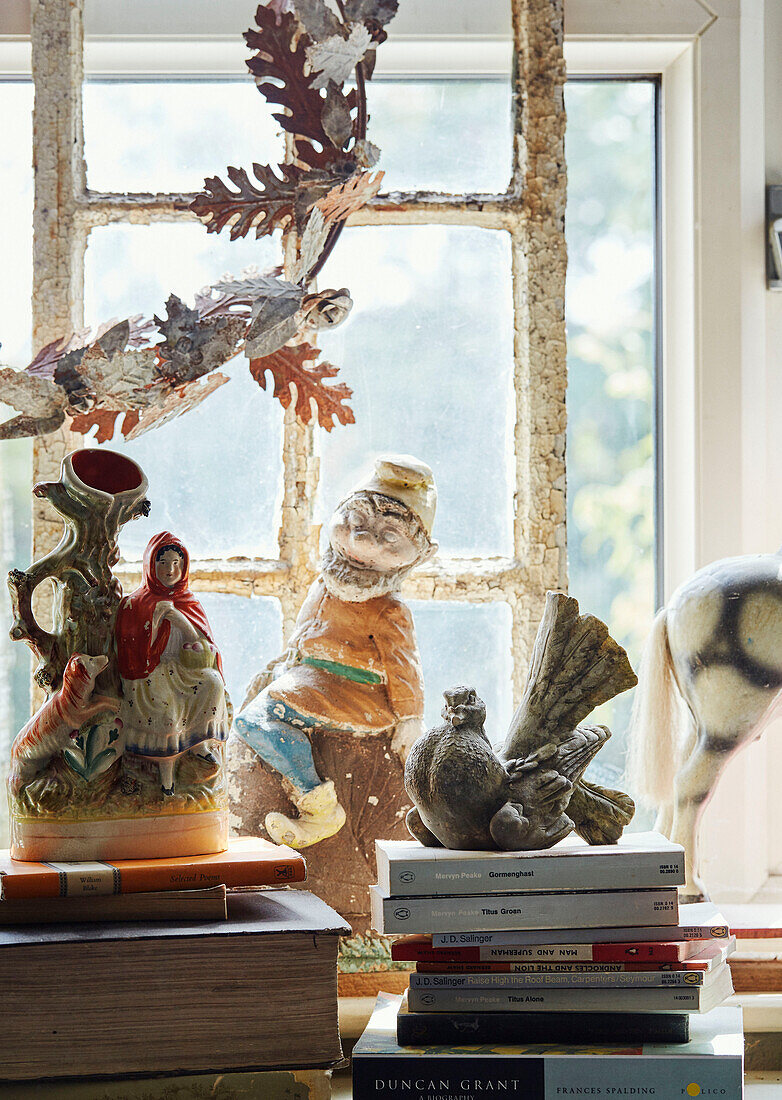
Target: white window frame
(720, 394)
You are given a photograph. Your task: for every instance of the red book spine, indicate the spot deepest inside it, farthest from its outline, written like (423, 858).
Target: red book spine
(402, 951)
(638, 952)
(549, 968)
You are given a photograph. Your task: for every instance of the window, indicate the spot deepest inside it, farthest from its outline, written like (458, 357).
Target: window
(706, 292)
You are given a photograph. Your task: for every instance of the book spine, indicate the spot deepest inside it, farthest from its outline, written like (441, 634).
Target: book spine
(523, 911)
(631, 936)
(495, 1028)
(103, 879)
(594, 979)
(555, 1000)
(231, 874)
(170, 905)
(616, 870)
(555, 968)
(582, 952)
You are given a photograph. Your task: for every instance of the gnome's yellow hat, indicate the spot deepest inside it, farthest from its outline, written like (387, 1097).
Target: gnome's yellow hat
(404, 478)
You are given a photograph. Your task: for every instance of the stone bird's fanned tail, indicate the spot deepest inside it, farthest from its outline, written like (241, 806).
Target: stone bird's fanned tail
(576, 665)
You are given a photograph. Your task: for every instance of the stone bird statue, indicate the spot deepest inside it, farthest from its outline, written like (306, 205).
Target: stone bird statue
(531, 793)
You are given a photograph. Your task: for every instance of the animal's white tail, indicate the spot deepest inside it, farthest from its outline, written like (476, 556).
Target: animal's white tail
(653, 755)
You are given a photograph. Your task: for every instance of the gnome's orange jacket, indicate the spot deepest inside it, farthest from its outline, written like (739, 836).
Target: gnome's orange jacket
(356, 664)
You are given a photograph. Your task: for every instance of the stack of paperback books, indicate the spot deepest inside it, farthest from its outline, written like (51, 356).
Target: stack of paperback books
(183, 888)
(575, 944)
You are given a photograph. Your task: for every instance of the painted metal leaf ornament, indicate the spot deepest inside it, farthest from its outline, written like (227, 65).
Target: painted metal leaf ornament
(318, 20)
(279, 70)
(295, 370)
(39, 402)
(336, 58)
(336, 117)
(135, 374)
(327, 309)
(312, 244)
(348, 197)
(371, 11)
(263, 208)
(192, 347)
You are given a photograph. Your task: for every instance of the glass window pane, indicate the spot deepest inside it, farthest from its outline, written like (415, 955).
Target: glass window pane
(610, 318)
(437, 134)
(16, 184)
(466, 643)
(248, 634)
(214, 473)
(428, 351)
(442, 135)
(170, 135)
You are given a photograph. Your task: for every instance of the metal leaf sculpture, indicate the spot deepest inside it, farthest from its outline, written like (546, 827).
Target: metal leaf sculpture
(290, 367)
(133, 375)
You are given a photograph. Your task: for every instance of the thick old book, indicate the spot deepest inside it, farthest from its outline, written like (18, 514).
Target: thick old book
(543, 1056)
(418, 949)
(701, 998)
(248, 861)
(568, 976)
(637, 861)
(697, 921)
(255, 991)
(174, 905)
(588, 908)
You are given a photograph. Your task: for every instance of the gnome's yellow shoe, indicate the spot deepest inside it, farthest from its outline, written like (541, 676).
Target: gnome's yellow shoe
(320, 816)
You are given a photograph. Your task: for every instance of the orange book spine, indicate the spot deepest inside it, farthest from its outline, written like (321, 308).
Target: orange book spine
(37, 880)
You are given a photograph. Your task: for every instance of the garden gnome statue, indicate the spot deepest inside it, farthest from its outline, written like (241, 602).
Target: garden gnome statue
(332, 720)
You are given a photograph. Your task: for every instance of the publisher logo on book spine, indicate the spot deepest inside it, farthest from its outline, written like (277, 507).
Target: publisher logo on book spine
(407, 876)
(402, 913)
(283, 872)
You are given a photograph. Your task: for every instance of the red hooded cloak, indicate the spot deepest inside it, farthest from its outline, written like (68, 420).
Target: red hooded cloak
(137, 654)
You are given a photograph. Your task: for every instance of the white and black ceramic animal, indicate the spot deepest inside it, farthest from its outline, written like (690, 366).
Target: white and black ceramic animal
(717, 649)
(529, 794)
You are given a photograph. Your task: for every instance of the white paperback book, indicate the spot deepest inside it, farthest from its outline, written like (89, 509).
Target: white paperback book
(699, 998)
(611, 977)
(637, 861)
(587, 909)
(697, 921)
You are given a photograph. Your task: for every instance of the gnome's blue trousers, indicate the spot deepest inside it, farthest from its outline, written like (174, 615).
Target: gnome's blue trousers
(277, 733)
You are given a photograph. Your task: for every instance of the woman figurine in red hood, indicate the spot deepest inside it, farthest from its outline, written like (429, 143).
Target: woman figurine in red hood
(174, 696)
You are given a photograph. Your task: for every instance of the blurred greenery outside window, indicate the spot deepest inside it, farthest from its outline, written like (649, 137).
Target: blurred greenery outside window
(429, 343)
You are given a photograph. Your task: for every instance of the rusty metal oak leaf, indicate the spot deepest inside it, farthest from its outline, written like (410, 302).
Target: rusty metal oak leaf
(264, 208)
(279, 71)
(347, 197)
(296, 368)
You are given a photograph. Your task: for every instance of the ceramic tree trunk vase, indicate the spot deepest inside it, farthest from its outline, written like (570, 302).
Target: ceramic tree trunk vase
(124, 758)
(318, 751)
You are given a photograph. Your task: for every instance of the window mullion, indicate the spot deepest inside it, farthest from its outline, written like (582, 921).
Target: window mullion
(59, 242)
(538, 273)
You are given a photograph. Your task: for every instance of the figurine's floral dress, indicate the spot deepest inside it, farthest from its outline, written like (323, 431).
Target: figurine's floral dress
(173, 693)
